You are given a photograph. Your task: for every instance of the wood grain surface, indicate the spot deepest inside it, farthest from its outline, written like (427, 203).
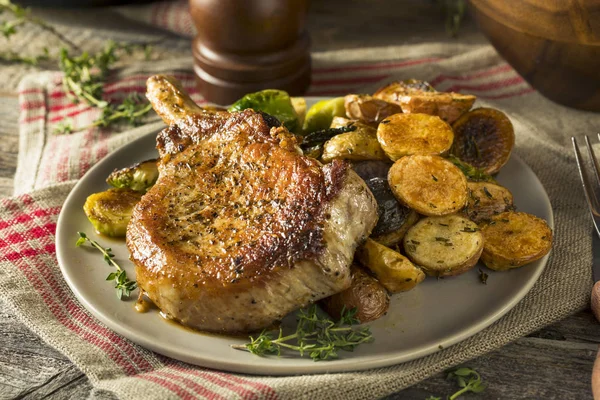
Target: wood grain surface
(553, 363)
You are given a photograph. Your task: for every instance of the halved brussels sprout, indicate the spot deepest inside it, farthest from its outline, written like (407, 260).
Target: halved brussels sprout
(139, 177)
(273, 102)
(110, 211)
(320, 115)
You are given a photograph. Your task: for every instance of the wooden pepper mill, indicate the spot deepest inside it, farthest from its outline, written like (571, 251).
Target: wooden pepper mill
(244, 46)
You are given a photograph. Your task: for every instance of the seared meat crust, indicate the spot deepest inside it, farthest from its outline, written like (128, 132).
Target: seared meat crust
(240, 228)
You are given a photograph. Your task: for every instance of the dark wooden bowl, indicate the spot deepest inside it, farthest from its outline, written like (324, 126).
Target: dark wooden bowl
(554, 45)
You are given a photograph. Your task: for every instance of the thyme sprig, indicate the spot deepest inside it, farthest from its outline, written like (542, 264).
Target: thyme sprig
(123, 284)
(468, 380)
(22, 16)
(315, 335)
(84, 75)
(83, 81)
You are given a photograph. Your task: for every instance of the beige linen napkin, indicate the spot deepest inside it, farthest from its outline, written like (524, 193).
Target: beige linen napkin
(32, 285)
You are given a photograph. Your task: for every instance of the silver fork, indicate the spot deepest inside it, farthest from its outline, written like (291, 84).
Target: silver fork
(591, 195)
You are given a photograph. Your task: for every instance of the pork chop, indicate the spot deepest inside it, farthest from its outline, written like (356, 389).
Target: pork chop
(240, 229)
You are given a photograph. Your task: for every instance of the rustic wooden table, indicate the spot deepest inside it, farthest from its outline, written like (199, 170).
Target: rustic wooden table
(553, 363)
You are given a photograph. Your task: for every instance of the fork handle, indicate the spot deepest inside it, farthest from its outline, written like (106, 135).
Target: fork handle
(595, 302)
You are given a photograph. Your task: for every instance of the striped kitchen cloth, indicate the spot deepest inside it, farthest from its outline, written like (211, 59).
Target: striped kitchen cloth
(49, 164)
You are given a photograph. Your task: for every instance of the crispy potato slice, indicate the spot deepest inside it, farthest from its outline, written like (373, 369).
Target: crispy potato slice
(406, 134)
(358, 145)
(486, 200)
(366, 294)
(444, 246)
(368, 109)
(431, 185)
(513, 239)
(484, 138)
(394, 271)
(416, 96)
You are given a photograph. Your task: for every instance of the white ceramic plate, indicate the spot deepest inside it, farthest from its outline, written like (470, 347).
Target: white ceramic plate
(436, 314)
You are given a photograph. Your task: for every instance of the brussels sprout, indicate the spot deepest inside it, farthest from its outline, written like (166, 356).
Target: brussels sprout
(110, 211)
(139, 177)
(320, 115)
(273, 102)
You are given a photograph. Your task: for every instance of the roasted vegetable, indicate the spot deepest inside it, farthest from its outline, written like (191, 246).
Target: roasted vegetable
(320, 115)
(392, 269)
(110, 211)
(359, 145)
(486, 200)
(406, 134)
(444, 246)
(431, 185)
(394, 218)
(368, 109)
(368, 296)
(318, 138)
(416, 96)
(273, 102)
(513, 239)
(471, 173)
(139, 177)
(484, 138)
(299, 104)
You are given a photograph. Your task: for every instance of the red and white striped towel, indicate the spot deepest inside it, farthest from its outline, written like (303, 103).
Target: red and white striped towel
(32, 285)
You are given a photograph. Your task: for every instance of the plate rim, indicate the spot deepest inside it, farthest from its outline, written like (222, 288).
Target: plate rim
(340, 365)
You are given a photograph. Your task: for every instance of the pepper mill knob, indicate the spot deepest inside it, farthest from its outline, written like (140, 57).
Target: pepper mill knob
(244, 46)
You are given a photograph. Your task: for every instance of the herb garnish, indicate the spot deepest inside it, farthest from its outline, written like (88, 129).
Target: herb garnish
(483, 277)
(123, 285)
(84, 74)
(323, 135)
(315, 335)
(472, 173)
(468, 379)
(487, 193)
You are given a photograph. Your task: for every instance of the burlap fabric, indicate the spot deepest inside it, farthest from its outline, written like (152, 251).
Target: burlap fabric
(32, 285)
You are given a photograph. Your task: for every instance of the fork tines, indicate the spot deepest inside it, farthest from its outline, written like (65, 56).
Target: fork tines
(591, 190)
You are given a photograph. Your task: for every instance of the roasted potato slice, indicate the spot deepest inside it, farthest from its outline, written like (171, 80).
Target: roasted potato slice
(486, 200)
(366, 294)
(513, 239)
(394, 271)
(369, 110)
(359, 145)
(416, 96)
(406, 134)
(484, 138)
(444, 246)
(431, 185)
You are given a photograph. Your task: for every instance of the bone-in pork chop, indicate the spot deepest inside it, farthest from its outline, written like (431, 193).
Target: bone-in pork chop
(240, 229)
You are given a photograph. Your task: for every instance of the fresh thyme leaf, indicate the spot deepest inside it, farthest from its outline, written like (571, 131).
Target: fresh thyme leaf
(472, 173)
(487, 193)
(468, 380)
(123, 285)
(64, 127)
(317, 336)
